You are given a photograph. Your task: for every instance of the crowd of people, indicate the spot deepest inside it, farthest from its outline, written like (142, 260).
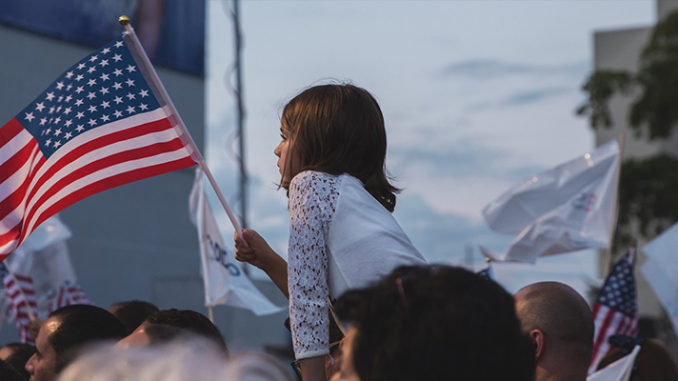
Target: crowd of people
(423, 322)
(363, 302)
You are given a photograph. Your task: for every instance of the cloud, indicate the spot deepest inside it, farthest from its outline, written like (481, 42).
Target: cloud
(522, 98)
(442, 237)
(453, 239)
(531, 96)
(493, 68)
(463, 158)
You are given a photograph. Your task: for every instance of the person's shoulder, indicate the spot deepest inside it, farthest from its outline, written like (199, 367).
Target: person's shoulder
(309, 178)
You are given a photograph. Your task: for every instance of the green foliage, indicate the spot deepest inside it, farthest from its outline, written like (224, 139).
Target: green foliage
(658, 80)
(648, 190)
(600, 87)
(655, 108)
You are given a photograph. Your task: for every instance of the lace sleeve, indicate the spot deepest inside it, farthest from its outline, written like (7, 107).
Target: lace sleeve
(312, 204)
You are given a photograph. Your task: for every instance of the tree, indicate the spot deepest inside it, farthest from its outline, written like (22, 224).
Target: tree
(648, 188)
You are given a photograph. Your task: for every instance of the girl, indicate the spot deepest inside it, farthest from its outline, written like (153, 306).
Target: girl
(342, 234)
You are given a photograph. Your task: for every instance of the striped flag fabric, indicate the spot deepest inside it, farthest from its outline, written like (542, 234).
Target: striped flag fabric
(20, 294)
(615, 311)
(67, 294)
(97, 126)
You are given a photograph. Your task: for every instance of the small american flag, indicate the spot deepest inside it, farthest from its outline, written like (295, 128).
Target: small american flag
(97, 126)
(20, 293)
(615, 311)
(68, 293)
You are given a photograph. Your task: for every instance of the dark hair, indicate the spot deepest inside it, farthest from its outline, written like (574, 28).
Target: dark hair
(162, 333)
(434, 323)
(654, 361)
(338, 129)
(10, 373)
(19, 357)
(81, 324)
(191, 321)
(132, 313)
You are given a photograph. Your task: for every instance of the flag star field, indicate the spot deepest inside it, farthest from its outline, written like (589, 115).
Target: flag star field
(103, 87)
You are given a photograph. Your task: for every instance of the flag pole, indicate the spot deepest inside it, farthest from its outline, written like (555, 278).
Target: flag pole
(3, 314)
(205, 248)
(210, 313)
(621, 139)
(178, 124)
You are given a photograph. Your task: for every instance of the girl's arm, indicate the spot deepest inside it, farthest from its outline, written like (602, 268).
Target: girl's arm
(312, 203)
(258, 253)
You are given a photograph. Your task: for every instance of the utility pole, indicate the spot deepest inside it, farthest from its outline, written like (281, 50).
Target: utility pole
(240, 114)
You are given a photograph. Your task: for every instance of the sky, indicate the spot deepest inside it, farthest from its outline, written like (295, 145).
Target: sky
(477, 96)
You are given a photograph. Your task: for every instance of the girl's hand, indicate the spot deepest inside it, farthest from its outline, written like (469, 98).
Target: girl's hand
(257, 252)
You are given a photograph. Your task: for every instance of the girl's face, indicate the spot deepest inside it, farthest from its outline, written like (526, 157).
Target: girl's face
(281, 151)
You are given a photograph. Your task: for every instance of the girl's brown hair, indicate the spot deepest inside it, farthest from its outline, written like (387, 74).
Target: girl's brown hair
(338, 129)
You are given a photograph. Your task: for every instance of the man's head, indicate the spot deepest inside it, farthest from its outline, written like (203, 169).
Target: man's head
(190, 321)
(433, 322)
(17, 355)
(560, 322)
(64, 333)
(148, 334)
(132, 313)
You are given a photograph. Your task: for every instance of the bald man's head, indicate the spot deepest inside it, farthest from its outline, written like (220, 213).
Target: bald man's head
(562, 315)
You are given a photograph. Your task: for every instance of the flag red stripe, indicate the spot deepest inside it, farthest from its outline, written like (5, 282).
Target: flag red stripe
(23, 303)
(102, 141)
(9, 284)
(22, 278)
(624, 326)
(110, 182)
(104, 162)
(10, 236)
(17, 293)
(22, 316)
(10, 130)
(17, 277)
(58, 302)
(603, 328)
(16, 161)
(15, 198)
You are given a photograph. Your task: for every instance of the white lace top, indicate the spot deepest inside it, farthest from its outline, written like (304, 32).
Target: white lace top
(340, 237)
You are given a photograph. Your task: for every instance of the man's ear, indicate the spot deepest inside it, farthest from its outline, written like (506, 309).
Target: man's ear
(538, 337)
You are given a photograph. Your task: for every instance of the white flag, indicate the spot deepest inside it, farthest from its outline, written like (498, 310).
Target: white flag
(224, 278)
(661, 270)
(44, 257)
(619, 370)
(564, 209)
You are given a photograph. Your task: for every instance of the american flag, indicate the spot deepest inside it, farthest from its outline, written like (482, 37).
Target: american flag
(67, 294)
(20, 293)
(97, 126)
(615, 311)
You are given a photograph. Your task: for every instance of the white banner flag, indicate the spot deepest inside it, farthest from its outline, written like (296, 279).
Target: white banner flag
(223, 276)
(661, 270)
(564, 209)
(44, 257)
(619, 370)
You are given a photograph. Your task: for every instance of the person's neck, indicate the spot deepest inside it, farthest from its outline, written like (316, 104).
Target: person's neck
(559, 371)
